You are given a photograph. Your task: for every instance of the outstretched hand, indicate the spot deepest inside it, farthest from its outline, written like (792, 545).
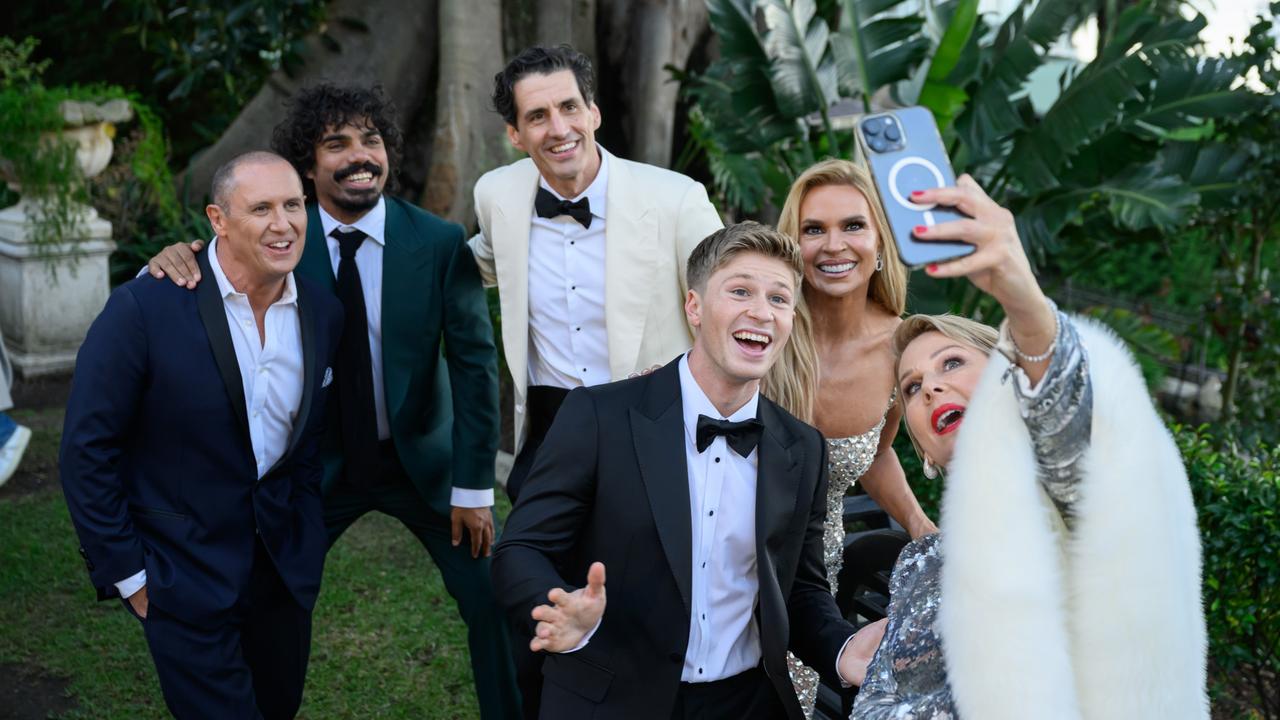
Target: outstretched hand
(571, 615)
(178, 263)
(998, 266)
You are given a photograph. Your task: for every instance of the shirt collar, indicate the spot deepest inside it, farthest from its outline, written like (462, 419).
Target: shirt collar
(372, 223)
(226, 289)
(697, 403)
(597, 193)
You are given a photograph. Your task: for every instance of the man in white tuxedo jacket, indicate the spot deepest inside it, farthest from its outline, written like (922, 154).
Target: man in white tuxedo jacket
(587, 249)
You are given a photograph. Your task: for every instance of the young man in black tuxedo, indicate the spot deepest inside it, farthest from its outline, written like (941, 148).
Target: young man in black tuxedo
(705, 503)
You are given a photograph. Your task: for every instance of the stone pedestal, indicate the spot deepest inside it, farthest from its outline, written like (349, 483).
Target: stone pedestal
(47, 301)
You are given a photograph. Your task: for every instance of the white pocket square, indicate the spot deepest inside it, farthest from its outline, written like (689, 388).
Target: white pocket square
(328, 378)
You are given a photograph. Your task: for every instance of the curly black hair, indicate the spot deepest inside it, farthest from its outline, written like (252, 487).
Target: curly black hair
(316, 108)
(540, 60)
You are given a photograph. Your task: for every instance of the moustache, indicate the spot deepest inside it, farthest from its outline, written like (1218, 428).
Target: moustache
(346, 172)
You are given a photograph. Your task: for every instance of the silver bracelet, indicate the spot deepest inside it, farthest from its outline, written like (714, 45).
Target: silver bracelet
(1053, 307)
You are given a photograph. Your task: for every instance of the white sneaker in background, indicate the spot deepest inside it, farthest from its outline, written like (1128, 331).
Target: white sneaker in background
(11, 453)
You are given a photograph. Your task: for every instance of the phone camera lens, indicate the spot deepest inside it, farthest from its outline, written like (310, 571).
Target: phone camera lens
(871, 128)
(891, 133)
(878, 144)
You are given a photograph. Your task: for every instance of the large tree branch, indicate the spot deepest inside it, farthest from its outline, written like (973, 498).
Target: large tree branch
(396, 50)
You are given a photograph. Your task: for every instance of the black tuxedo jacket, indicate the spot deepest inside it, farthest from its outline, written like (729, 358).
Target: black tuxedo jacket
(157, 464)
(610, 484)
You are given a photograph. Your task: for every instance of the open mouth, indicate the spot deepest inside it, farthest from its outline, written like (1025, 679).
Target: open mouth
(563, 149)
(753, 342)
(836, 267)
(947, 418)
(281, 247)
(359, 177)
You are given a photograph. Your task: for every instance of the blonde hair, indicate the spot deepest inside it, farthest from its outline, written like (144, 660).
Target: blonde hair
(718, 248)
(793, 381)
(954, 327)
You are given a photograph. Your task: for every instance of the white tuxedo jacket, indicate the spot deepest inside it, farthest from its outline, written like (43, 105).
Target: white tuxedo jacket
(655, 218)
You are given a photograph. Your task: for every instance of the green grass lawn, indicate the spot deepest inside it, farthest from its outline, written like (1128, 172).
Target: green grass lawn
(388, 642)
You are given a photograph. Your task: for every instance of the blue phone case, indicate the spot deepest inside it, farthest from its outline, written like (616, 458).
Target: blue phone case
(904, 152)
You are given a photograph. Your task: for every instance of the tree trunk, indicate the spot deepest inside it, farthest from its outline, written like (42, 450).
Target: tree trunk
(398, 50)
(567, 21)
(469, 135)
(641, 39)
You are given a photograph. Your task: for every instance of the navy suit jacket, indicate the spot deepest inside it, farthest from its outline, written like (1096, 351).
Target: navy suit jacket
(156, 461)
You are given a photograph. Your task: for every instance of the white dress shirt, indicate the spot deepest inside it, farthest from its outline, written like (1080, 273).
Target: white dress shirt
(568, 345)
(369, 264)
(271, 372)
(723, 637)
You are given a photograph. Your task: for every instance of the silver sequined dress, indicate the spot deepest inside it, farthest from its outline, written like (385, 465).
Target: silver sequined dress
(847, 460)
(907, 678)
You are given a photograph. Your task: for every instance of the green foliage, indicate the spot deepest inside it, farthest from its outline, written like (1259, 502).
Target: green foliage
(35, 157)
(195, 62)
(1237, 494)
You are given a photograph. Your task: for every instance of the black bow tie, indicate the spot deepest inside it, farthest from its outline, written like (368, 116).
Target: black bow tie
(742, 436)
(549, 206)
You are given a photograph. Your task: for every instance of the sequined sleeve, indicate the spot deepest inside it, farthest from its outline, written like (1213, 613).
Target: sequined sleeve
(907, 677)
(1059, 413)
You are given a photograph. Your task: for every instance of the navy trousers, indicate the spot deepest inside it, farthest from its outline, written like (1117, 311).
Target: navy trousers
(251, 666)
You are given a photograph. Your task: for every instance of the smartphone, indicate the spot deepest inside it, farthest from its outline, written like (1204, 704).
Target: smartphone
(904, 152)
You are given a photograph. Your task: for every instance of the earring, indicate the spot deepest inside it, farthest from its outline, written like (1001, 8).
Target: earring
(930, 471)
(879, 262)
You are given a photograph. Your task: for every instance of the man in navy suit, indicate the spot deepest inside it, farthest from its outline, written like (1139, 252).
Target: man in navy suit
(190, 458)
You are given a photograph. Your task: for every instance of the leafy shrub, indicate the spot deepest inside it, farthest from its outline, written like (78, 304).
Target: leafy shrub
(1237, 494)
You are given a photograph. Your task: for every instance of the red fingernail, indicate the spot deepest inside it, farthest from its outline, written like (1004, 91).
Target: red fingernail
(917, 193)
(920, 229)
(933, 267)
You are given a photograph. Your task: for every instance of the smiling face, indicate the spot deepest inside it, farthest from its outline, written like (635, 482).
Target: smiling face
(557, 127)
(838, 240)
(350, 170)
(742, 317)
(261, 229)
(936, 377)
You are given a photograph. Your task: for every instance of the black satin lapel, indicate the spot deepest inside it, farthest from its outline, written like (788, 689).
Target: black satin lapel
(214, 316)
(659, 444)
(777, 477)
(310, 376)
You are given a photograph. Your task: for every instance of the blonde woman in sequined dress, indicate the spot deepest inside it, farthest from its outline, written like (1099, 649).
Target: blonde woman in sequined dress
(837, 371)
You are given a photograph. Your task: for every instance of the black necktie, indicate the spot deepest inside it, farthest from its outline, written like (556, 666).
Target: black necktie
(742, 436)
(357, 416)
(549, 206)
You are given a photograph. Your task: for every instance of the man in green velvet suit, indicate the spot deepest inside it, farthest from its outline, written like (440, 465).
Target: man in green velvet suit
(414, 431)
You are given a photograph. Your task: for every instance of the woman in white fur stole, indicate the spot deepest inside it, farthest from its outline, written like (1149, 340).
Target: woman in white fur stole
(1071, 587)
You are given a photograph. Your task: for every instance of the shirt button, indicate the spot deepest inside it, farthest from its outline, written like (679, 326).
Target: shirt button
(717, 459)
(712, 513)
(573, 287)
(578, 329)
(699, 671)
(704, 616)
(704, 565)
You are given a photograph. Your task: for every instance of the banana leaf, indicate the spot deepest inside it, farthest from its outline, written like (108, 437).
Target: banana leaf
(802, 70)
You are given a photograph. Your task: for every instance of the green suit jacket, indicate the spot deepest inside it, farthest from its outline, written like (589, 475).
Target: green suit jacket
(439, 364)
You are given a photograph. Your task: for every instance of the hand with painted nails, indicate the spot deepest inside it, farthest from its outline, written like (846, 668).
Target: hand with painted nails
(998, 266)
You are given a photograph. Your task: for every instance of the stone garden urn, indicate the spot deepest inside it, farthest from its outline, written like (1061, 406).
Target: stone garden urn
(50, 294)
